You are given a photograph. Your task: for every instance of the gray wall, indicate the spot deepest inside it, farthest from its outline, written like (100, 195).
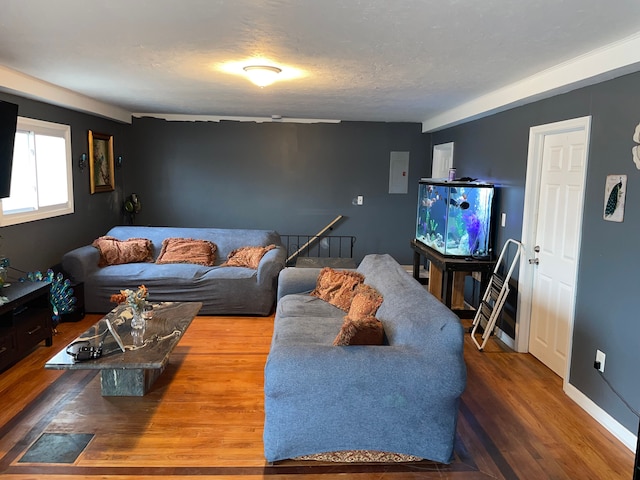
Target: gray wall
(495, 148)
(294, 178)
(40, 244)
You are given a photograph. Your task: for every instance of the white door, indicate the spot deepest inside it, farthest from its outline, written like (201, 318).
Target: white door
(442, 160)
(553, 242)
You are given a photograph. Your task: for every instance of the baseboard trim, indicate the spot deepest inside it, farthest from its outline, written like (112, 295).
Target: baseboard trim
(506, 339)
(602, 417)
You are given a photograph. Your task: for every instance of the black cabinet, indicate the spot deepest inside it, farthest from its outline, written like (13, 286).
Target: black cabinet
(25, 320)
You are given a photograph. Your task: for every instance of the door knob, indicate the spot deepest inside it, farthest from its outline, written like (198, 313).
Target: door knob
(535, 260)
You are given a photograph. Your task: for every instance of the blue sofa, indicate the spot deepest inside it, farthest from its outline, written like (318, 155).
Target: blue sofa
(401, 397)
(222, 290)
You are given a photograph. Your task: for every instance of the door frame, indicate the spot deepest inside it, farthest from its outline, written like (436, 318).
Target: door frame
(537, 136)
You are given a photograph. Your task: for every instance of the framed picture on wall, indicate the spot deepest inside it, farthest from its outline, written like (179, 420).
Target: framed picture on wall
(101, 172)
(615, 191)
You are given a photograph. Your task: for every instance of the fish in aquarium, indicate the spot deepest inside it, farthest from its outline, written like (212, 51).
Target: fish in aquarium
(455, 218)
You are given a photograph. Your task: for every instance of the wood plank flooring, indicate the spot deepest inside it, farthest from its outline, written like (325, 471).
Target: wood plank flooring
(204, 416)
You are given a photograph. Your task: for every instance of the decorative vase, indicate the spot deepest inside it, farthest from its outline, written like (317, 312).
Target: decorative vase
(137, 319)
(137, 334)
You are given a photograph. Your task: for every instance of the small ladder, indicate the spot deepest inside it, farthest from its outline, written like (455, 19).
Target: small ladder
(496, 294)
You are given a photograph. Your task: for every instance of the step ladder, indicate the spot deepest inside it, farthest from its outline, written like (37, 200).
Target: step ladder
(496, 293)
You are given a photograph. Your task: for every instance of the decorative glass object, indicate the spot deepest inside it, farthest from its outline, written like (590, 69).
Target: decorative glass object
(455, 218)
(137, 334)
(137, 319)
(61, 294)
(136, 300)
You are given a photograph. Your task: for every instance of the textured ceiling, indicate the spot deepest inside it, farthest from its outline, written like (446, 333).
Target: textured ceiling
(376, 60)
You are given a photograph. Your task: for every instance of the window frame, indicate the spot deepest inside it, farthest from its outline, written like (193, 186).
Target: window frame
(52, 129)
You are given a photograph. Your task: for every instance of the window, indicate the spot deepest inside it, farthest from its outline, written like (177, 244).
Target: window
(41, 176)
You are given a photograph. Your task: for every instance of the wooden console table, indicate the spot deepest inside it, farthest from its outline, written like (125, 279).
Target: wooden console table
(447, 274)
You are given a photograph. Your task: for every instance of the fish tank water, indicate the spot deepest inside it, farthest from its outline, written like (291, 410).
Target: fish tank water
(455, 217)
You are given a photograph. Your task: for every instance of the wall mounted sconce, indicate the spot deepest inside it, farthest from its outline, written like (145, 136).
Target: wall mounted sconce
(82, 163)
(119, 161)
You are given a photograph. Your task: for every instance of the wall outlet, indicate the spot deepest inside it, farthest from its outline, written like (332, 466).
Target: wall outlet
(359, 200)
(599, 363)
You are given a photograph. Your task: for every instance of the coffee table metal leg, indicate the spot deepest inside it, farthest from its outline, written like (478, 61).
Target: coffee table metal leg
(134, 382)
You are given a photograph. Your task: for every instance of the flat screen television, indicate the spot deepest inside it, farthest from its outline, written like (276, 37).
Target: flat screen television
(8, 120)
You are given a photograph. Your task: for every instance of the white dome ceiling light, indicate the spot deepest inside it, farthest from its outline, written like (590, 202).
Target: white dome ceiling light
(262, 75)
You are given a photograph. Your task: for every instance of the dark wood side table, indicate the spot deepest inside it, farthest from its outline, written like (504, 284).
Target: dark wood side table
(25, 320)
(447, 274)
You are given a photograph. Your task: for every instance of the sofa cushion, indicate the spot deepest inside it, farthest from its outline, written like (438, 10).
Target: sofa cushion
(188, 250)
(307, 331)
(304, 305)
(366, 330)
(248, 257)
(366, 301)
(116, 252)
(337, 286)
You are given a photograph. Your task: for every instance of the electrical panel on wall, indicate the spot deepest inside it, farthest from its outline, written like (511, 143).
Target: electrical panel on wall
(399, 172)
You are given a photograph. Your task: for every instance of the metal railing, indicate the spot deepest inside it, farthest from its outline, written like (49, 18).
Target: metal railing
(329, 246)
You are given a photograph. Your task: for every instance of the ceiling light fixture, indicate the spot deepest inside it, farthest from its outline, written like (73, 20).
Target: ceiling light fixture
(262, 75)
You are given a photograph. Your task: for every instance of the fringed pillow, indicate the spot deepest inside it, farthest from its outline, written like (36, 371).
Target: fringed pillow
(366, 330)
(248, 257)
(366, 301)
(188, 250)
(116, 252)
(337, 286)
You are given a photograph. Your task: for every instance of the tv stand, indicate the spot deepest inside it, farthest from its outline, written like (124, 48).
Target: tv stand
(25, 320)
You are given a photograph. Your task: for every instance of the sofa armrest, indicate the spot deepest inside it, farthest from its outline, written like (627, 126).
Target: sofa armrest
(297, 280)
(79, 263)
(270, 265)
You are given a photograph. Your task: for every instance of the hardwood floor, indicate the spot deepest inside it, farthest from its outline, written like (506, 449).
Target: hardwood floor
(203, 418)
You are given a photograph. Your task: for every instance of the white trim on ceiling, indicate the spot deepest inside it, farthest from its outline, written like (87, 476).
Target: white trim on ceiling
(12, 81)
(602, 64)
(172, 117)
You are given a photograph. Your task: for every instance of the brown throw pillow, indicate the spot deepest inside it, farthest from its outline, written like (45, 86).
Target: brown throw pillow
(188, 250)
(116, 252)
(361, 331)
(365, 301)
(248, 257)
(337, 286)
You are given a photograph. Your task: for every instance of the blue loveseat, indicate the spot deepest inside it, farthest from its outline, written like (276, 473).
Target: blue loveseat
(401, 397)
(222, 290)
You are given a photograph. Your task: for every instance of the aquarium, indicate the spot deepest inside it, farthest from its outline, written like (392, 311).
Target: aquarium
(454, 217)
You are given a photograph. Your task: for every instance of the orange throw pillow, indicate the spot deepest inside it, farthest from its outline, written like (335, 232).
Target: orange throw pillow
(337, 286)
(248, 257)
(188, 250)
(361, 331)
(116, 252)
(365, 301)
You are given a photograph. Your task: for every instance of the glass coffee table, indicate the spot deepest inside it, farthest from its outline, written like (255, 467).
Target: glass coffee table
(130, 360)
